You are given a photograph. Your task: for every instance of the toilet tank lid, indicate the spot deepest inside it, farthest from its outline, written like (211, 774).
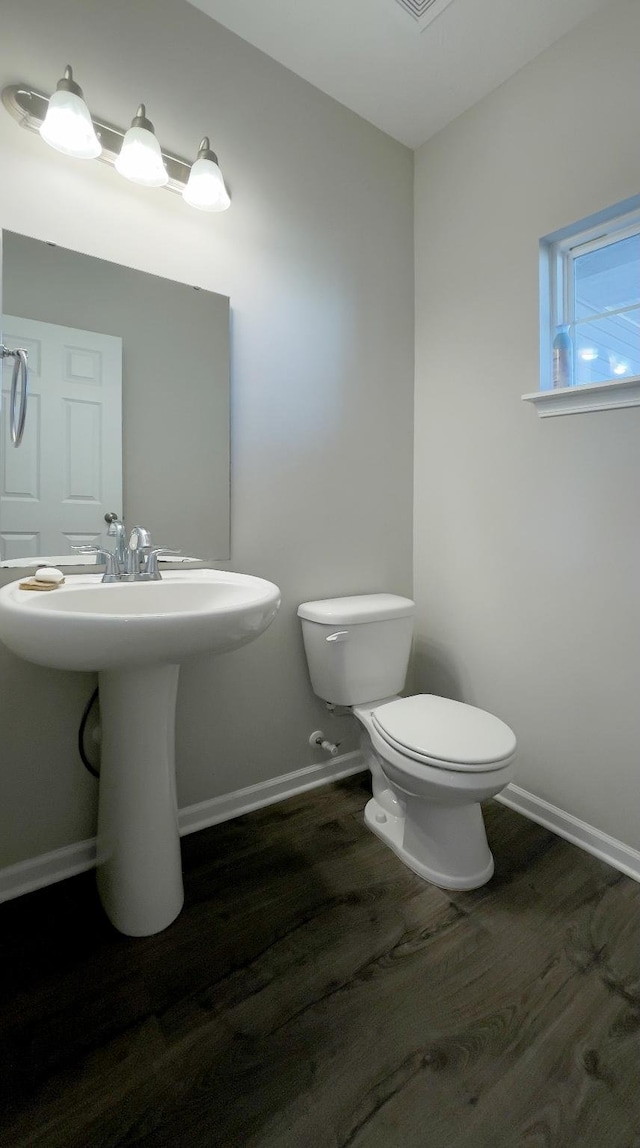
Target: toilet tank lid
(357, 608)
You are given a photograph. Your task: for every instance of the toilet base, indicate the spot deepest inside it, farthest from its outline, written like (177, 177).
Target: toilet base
(469, 872)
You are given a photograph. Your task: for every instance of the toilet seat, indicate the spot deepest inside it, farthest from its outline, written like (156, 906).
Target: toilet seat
(444, 733)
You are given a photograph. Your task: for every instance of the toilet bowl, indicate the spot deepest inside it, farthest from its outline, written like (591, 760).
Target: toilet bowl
(426, 807)
(432, 760)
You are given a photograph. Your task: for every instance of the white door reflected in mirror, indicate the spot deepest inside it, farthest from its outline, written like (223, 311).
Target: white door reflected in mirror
(55, 490)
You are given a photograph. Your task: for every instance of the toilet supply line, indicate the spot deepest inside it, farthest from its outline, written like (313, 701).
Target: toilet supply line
(318, 738)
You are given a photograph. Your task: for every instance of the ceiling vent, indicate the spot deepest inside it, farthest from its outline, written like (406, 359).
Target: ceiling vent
(424, 12)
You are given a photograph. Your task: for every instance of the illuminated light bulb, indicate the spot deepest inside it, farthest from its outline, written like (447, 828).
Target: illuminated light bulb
(621, 368)
(205, 188)
(589, 354)
(68, 126)
(140, 158)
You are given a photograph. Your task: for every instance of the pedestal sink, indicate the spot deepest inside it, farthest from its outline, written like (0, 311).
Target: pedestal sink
(135, 635)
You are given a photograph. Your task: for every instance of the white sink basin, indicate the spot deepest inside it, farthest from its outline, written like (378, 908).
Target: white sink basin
(87, 625)
(135, 635)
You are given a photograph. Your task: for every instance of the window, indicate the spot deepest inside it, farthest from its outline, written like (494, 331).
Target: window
(590, 314)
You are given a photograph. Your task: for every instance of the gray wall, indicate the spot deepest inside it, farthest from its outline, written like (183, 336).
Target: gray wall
(316, 255)
(527, 548)
(175, 382)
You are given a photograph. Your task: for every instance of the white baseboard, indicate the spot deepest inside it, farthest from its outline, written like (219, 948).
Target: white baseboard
(46, 869)
(27, 876)
(195, 817)
(587, 837)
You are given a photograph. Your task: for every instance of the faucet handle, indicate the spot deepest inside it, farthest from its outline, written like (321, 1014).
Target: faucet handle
(152, 569)
(99, 551)
(103, 558)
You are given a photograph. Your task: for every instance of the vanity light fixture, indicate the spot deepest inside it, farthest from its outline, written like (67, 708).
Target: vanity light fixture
(64, 121)
(67, 126)
(140, 158)
(205, 188)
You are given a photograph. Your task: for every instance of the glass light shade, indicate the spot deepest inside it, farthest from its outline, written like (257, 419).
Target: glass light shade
(140, 158)
(68, 128)
(205, 189)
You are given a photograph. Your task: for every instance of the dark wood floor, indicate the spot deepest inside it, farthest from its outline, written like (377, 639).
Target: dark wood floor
(316, 994)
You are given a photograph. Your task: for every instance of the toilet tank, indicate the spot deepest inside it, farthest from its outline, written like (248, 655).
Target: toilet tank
(358, 647)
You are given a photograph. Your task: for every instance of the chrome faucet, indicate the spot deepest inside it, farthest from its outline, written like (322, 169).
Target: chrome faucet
(138, 551)
(135, 561)
(142, 559)
(116, 530)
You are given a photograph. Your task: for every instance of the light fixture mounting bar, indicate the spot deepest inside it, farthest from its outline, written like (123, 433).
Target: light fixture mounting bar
(29, 108)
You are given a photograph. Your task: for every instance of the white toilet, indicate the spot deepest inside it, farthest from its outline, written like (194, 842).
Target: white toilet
(432, 760)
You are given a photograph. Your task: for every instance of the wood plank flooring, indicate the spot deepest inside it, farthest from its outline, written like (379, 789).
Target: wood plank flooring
(314, 993)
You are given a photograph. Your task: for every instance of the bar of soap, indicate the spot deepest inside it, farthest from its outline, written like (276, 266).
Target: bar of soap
(49, 574)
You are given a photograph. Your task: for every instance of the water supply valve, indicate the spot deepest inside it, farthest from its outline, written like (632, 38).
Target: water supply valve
(318, 738)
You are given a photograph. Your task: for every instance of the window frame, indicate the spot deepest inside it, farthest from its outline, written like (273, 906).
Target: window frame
(558, 253)
(585, 244)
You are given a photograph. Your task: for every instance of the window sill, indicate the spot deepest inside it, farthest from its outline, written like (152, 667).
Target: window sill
(589, 397)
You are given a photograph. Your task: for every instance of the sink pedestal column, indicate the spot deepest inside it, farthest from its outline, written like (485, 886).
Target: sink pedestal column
(139, 868)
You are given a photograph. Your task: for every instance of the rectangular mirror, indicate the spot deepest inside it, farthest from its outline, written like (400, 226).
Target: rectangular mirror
(128, 408)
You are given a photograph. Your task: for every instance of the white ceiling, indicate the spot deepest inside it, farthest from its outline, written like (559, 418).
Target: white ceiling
(372, 57)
